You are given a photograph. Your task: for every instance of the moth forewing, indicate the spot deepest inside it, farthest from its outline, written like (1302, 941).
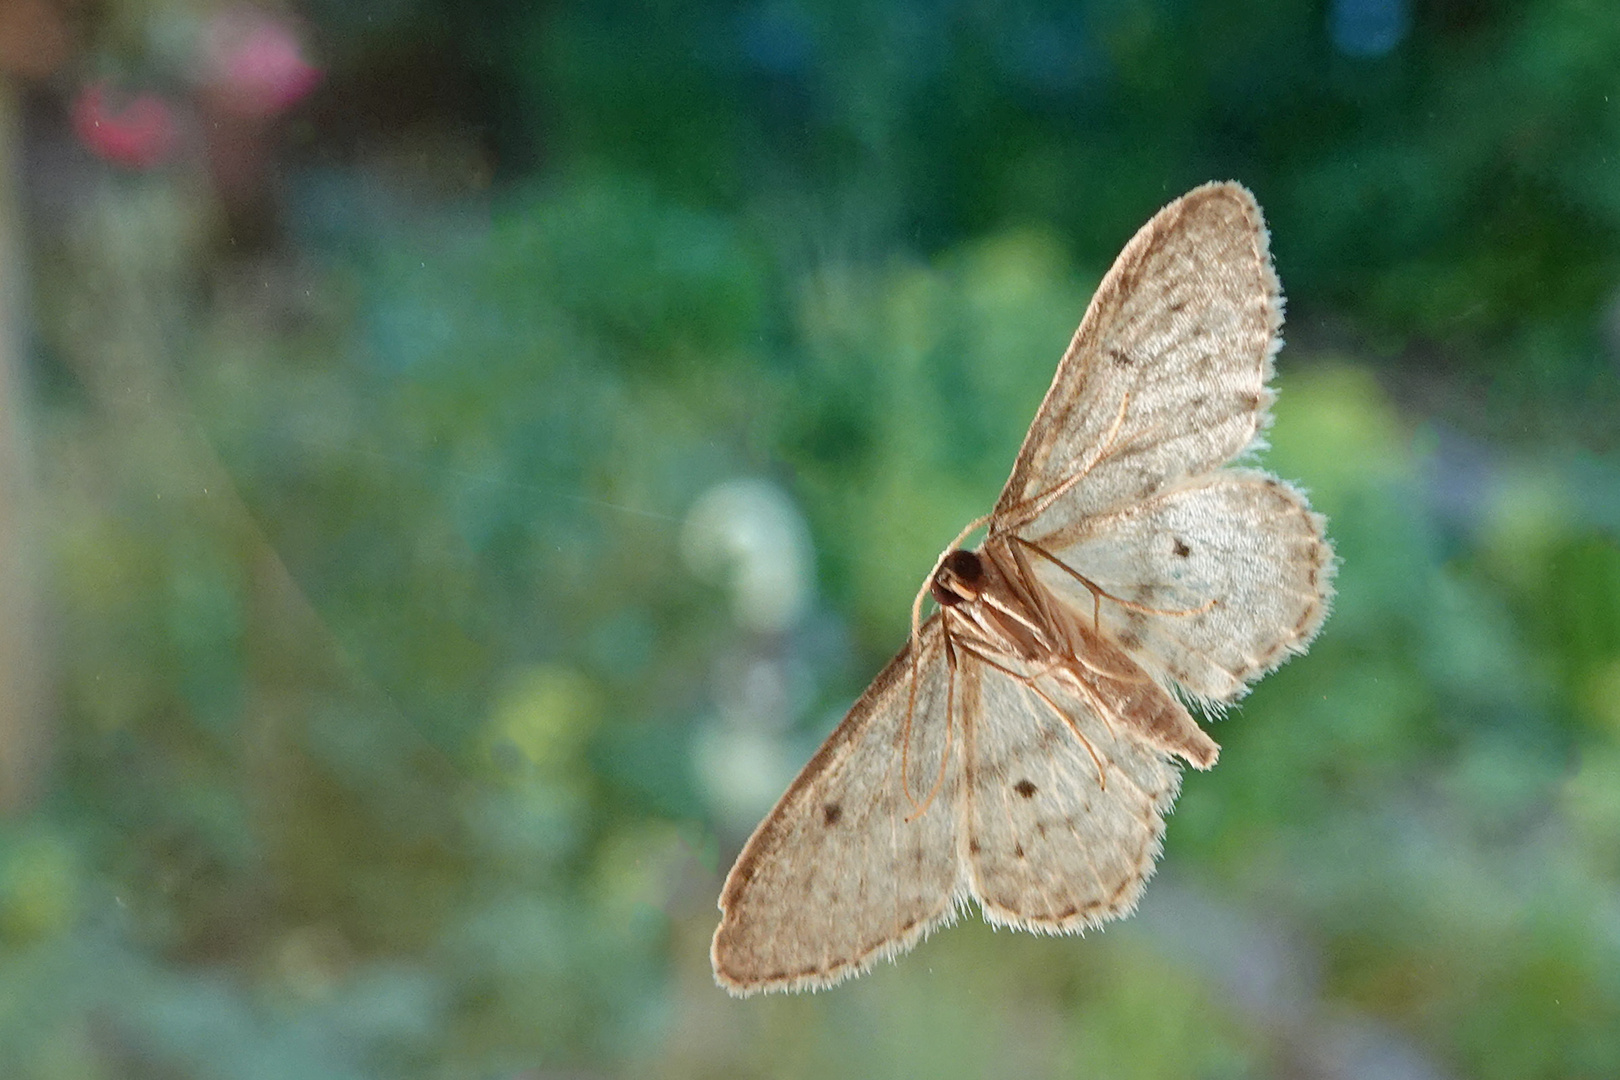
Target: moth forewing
(1179, 337)
(836, 877)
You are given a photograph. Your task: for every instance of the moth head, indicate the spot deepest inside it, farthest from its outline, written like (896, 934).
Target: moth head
(960, 577)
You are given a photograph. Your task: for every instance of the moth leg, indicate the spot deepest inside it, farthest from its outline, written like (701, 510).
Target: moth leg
(1099, 594)
(917, 601)
(1039, 632)
(1055, 665)
(1037, 593)
(919, 809)
(1029, 682)
(1045, 670)
(1116, 676)
(1037, 506)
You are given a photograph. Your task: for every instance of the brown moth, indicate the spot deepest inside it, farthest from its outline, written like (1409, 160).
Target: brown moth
(1022, 749)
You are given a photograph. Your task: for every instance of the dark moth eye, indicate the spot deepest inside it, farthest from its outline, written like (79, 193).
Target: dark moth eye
(960, 568)
(965, 565)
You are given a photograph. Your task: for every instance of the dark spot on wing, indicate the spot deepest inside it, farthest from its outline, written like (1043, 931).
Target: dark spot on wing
(908, 924)
(1317, 558)
(1250, 401)
(1025, 788)
(1018, 851)
(1040, 828)
(830, 814)
(973, 847)
(1120, 357)
(1068, 913)
(1181, 549)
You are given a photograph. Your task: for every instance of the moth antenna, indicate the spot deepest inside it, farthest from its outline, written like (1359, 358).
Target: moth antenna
(945, 754)
(905, 729)
(916, 604)
(911, 697)
(1034, 509)
(972, 526)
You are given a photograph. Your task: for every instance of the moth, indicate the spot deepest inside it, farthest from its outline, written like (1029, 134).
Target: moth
(1023, 748)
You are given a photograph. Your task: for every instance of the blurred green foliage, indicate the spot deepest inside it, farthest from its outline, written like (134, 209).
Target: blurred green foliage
(383, 689)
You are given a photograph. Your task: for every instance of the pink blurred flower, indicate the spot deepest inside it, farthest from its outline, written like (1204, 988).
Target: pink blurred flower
(138, 136)
(253, 64)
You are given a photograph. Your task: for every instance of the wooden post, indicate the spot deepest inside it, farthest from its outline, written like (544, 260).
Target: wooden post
(24, 716)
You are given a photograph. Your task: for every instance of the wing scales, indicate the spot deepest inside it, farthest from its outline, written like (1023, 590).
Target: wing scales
(1166, 376)
(837, 877)
(1056, 844)
(1238, 555)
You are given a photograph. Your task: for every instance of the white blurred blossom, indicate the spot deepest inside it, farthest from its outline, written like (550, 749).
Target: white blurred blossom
(749, 533)
(742, 770)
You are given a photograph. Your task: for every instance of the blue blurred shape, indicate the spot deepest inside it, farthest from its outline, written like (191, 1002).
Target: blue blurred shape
(1052, 53)
(1368, 28)
(777, 38)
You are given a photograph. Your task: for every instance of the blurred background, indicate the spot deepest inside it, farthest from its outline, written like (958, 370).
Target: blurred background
(457, 460)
